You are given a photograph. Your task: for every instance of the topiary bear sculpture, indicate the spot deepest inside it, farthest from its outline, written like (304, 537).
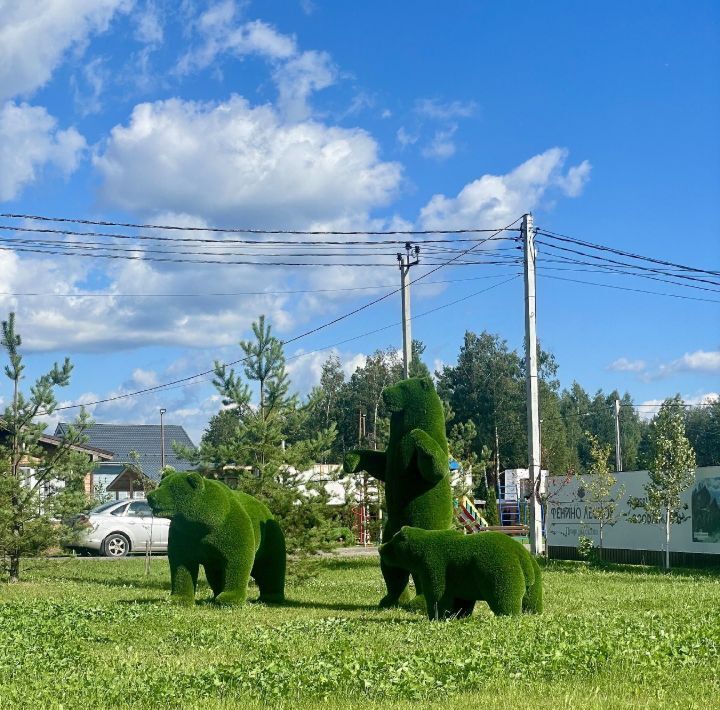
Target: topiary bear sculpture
(414, 468)
(456, 570)
(231, 534)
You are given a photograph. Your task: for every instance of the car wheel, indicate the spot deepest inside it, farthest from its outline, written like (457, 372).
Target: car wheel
(115, 545)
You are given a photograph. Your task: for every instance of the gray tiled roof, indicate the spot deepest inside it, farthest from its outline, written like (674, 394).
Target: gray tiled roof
(121, 439)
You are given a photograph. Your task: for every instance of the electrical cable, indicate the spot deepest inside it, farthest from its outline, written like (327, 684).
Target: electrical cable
(239, 293)
(620, 252)
(252, 230)
(297, 337)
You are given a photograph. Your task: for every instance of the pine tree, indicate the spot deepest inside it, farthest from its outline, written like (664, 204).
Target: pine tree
(40, 487)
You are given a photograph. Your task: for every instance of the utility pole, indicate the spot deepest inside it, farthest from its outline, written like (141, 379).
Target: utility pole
(162, 440)
(618, 450)
(406, 262)
(531, 379)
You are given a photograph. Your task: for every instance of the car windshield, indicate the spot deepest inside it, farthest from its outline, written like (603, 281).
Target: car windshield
(102, 508)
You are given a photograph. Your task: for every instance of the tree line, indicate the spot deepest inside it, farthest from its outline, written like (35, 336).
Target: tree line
(266, 436)
(484, 397)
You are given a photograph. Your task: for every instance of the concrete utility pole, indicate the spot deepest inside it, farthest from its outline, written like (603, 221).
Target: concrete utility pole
(531, 374)
(405, 263)
(618, 450)
(162, 439)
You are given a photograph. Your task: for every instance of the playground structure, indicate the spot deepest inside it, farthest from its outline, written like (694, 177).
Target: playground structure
(468, 515)
(365, 499)
(514, 490)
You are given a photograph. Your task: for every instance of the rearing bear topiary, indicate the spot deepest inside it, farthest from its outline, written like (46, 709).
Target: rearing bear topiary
(231, 534)
(456, 570)
(414, 468)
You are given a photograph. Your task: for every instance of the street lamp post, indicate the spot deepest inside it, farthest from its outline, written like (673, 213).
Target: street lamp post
(162, 440)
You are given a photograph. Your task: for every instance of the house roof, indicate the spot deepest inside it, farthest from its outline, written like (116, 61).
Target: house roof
(121, 439)
(94, 452)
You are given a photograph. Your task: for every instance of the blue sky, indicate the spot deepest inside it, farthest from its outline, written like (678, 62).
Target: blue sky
(600, 118)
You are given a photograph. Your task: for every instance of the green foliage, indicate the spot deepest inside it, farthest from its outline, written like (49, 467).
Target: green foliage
(702, 427)
(89, 633)
(456, 570)
(672, 470)
(265, 449)
(414, 468)
(601, 487)
(585, 548)
(492, 514)
(41, 486)
(231, 534)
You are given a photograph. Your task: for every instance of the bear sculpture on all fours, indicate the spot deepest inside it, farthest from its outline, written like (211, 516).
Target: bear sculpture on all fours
(414, 468)
(231, 534)
(456, 570)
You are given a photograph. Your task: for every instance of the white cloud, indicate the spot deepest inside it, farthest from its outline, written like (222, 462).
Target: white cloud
(495, 200)
(442, 145)
(702, 361)
(650, 407)
(623, 364)
(144, 378)
(298, 78)
(405, 138)
(305, 369)
(247, 161)
(29, 141)
(181, 154)
(574, 181)
(88, 86)
(436, 109)
(35, 34)
(220, 33)
(149, 25)
(296, 74)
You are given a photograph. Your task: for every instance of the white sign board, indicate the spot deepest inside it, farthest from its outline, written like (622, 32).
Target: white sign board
(569, 515)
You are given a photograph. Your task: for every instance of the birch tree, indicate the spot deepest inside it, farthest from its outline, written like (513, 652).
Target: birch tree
(672, 471)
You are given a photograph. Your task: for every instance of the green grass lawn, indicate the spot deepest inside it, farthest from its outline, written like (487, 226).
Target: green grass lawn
(91, 632)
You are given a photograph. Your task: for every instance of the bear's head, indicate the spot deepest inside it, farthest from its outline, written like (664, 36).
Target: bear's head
(413, 403)
(401, 550)
(179, 494)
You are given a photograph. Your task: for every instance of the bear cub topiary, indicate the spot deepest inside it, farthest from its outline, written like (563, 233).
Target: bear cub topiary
(414, 468)
(231, 534)
(456, 570)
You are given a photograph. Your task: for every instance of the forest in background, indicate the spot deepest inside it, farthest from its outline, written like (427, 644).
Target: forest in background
(484, 397)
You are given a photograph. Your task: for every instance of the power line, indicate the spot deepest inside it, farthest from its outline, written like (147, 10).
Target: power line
(227, 262)
(626, 265)
(354, 337)
(185, 381)
(681, 404)
(290, 340)
(238, 293)
(620, 252)
(252, 242)
(607, 268)
(627, 288)
(253, 230)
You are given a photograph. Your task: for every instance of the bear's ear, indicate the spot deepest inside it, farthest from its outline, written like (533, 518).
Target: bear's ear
(426, 383)
(195, 480)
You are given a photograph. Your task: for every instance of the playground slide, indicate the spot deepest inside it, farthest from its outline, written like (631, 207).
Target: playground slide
(468, 515)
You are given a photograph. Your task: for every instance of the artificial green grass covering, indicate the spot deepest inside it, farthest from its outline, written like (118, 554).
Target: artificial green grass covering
(456, 570)
(414, 468)
(231, 534)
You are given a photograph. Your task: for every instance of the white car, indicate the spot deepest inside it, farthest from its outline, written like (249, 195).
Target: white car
(120, 527)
